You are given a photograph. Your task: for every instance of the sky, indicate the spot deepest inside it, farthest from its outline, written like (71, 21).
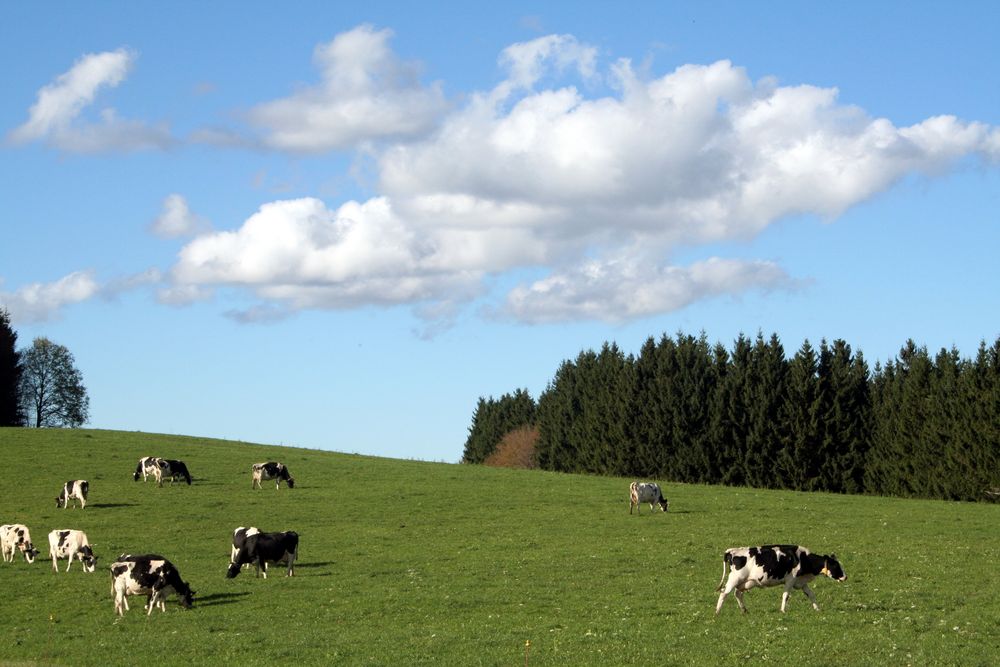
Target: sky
(338, 225)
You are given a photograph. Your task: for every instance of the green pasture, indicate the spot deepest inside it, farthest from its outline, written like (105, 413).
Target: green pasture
(405, 562)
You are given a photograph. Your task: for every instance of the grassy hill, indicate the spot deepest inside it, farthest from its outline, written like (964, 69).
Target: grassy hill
(404, 562)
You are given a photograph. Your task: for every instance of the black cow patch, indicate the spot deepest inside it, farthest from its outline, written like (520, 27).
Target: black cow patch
(776, 561)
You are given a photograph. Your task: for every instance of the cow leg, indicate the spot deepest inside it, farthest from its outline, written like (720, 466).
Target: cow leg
(739, 600)
(811, 596)
(722, 598)
(70, 562)
(786, 594)
(291, 561)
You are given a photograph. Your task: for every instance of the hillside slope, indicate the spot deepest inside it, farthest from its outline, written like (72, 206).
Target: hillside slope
(405, 562)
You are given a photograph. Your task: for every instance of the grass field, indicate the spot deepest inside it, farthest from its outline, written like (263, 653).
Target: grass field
(404, 562)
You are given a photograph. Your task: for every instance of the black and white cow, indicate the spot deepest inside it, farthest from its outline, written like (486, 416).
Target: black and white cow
(151, 575)
(240, 536)
(171, 469)
(264, 548)
(70, 544)
(76, 489)
(271, 470)
(147, 467)
(16, 537)
(774, 565)
(645, 492)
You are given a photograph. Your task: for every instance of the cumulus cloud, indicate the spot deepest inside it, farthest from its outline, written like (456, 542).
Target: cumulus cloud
(304, 254)
(176, 219)
(42, 302)
(599, 190)
(366, 93)
(54, 118)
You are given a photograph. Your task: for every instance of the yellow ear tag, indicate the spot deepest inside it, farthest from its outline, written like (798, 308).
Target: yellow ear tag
(825, 571)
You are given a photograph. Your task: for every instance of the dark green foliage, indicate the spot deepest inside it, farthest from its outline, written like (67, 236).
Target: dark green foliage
(821, 421)
(10, 374)
(493, 419)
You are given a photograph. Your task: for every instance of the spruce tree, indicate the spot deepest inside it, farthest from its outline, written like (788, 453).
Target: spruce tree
(10, 374)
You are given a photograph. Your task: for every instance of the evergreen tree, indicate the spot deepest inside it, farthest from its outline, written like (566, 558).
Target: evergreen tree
(763, 398)
(493, 419)
(558, 411)
(798, 462)
(10, 374)
(651, 422)
(693, 386)
(719, 430)
(845, 408)
(735, 407)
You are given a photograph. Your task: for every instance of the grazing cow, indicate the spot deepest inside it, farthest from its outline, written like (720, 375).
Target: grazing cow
(774, 565)
(172, 469)
(271, 470)
(645, 492)
(151, 575)
(74, 488)
(240, 536)
(70, 544)
(264, 548)
(15, 537)
(147, 467)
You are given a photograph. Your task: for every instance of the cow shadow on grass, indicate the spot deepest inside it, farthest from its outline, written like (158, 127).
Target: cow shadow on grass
(112, 505)
(218, 598)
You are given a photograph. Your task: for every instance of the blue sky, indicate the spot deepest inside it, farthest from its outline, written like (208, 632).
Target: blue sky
(338, 225)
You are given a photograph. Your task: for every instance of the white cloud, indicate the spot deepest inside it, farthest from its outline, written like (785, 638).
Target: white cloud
(301, 253)
(621, 290)
(601, 190)
(54, 118)
(183, 295)
(366, 93)
(176, 219)
(41, 302)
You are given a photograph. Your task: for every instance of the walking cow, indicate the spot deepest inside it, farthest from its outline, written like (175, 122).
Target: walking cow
(774, 565)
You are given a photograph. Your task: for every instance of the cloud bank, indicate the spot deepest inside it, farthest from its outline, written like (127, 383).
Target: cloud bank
(599, 191)
(590, 177)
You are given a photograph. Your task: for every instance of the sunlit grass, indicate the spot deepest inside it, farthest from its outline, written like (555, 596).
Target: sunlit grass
(403, 562)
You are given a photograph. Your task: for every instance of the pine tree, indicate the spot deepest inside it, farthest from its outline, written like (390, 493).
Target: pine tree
(10, 374)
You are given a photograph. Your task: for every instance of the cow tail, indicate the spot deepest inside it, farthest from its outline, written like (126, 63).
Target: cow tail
(726, 562)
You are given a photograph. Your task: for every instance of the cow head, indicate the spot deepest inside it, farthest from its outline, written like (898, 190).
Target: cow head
(291, 482)
(186, 595)
(832, 568)
(88, 558)
(234, 569)
(662, 503)
(29, 551)
(60, 499)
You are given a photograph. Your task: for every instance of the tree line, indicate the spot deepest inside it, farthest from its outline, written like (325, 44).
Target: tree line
(684, 410)
(40, 385)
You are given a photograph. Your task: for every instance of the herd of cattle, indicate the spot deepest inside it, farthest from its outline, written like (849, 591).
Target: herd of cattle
(152, 575)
